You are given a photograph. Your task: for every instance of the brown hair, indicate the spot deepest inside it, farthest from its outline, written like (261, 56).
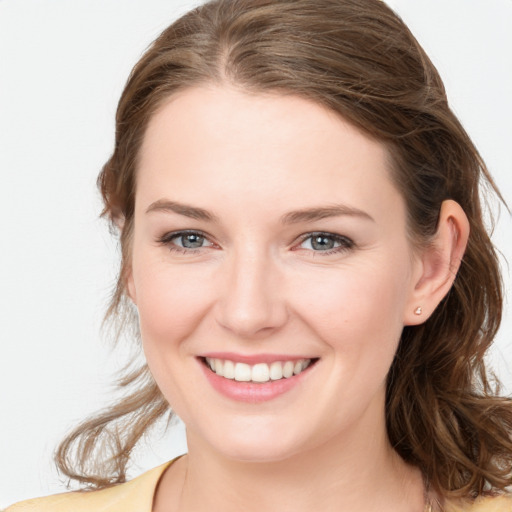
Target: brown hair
(360, 60)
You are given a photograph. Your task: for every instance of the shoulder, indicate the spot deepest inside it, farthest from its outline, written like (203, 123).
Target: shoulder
(497, 504)
(133, 496)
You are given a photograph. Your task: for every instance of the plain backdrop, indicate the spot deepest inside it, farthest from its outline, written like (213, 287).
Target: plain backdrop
(62, 68)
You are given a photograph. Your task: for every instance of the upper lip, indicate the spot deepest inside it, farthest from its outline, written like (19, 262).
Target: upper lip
(254, 358)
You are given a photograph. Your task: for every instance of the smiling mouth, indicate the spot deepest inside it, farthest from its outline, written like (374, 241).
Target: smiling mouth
(258, 373)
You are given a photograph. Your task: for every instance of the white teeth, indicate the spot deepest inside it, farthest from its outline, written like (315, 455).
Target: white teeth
(229, 370)
(288, 369)
(276, 370)
(260, 372)
(242, 372)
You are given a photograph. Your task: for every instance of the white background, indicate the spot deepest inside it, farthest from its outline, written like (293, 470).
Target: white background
(62, 68)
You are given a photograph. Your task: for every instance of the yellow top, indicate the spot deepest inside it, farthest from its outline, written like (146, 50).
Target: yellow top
(133, 496)
(137, 496)
(498, 504)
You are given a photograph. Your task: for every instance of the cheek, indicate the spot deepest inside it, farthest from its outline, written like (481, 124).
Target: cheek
(356, 314)
(353, 306)
(171, 301)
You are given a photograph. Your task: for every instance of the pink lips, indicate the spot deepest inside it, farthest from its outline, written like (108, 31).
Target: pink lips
(252, 392)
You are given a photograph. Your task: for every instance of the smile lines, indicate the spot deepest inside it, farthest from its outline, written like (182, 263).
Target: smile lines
(261, 372)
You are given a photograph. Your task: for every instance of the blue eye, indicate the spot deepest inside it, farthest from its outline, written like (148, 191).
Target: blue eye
(189, 240)
(327, 243)
(185, 241)
(317, 242)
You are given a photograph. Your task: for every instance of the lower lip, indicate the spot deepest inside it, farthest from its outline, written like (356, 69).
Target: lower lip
(252, 392)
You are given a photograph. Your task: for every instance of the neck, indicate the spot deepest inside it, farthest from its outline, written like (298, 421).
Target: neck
(358, 470)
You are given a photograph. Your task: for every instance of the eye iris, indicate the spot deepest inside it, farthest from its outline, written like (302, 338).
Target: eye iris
(322, 242)
(192, 241)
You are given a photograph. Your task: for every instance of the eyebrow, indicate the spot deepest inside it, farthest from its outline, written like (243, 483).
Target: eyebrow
(312, 214)
(294, 217)
(163, 205)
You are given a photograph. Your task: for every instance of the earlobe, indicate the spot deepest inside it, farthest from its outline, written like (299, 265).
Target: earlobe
(439, 263)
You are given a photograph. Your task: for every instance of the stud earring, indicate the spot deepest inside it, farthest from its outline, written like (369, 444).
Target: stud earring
(418, 311)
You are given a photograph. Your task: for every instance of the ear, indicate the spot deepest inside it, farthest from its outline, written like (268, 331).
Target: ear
(438, 264)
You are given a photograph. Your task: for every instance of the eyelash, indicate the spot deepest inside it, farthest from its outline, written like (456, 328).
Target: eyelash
(345, 243)
(168, 238)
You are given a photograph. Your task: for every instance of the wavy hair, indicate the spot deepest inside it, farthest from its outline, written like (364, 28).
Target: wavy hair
(356, 57)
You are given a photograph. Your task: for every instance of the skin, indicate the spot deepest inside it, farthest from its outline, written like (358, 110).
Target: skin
(258, 286)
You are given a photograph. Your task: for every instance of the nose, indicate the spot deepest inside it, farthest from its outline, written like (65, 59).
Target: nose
(252, 303)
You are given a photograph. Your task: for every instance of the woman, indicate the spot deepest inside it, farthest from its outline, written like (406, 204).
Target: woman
(302, 238)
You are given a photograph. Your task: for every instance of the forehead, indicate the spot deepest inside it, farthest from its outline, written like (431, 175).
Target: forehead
(271, 149)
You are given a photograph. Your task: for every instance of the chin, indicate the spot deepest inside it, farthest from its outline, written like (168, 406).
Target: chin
(257, 445)
(258, 454)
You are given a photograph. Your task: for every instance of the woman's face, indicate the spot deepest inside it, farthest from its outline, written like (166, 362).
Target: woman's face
(268, 234)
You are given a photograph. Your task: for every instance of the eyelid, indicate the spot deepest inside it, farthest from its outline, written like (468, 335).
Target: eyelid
(167, 238)
(329, 234)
